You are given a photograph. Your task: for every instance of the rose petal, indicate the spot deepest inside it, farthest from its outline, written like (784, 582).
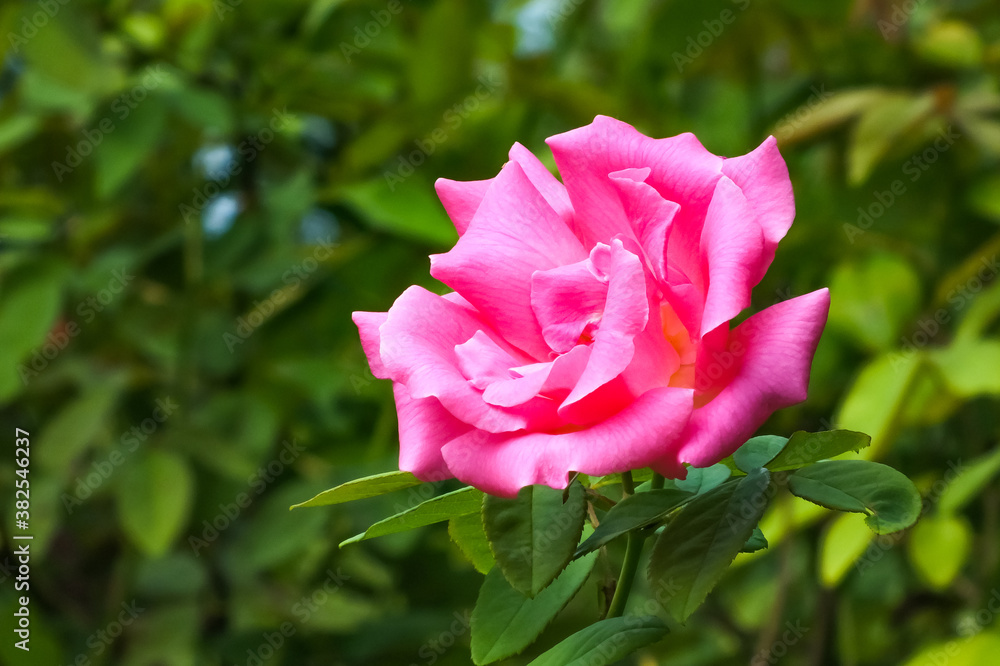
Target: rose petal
(771, 352)
(762, 175)
(649, 214)
(513, 234)
(625, 315)
(461, 199)
(424, 427)
(502, 464)
(368, 324)
(681, 170)
(543, 180)
(418, 341)
(733, 246)
(565, 300)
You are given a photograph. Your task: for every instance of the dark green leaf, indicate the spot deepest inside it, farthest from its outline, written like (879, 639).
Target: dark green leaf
(533, 535)
(756, 542)
(701, 480)
(370, 486)
(759, 451)
(468, 534)
(804, 448)
(698, 545)
(889, 499)
(605, 642)
(458, 503)
(504, 621)
(633, 512)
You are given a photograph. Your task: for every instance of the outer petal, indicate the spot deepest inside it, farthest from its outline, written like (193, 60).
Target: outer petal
(461, 199)
(763, 177)
(418, 341)
(513, 234)
(635, 437)
(424, 427)
(368, 324)
(772, 352)
(733, 247)
(547, 184)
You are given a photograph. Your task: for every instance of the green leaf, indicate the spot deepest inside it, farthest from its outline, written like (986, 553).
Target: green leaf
(77, 425)
(950, 43)
(698, 545)
(939, 547)
(978, 648)
(533, 535)
(805, 448)
(845, 540)
(605, 642)
(881, 125)
(757, 541)
(435, 510)
(758, 451)
(701, 480)
(468, 534)
(632, 513)
(131, 139)
(875, 401)
(505, 622)
(966, 483)
(873, 298)
(370, 486)
(29, 305)
(886, 496)
(962, 363)
(408, 209)
(154, 497)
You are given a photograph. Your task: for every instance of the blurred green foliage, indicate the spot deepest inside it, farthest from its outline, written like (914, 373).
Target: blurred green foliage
(195, 194)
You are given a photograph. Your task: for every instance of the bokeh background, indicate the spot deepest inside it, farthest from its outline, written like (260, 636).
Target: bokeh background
(196, 194)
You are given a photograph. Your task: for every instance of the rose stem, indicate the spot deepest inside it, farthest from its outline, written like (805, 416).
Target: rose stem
(633, 549)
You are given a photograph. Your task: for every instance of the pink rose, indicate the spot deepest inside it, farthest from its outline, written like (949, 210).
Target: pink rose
(589, 330)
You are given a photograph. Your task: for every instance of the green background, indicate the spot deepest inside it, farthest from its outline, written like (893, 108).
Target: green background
(194, 198)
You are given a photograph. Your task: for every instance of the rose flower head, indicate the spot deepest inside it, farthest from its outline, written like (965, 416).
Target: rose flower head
(589, 327)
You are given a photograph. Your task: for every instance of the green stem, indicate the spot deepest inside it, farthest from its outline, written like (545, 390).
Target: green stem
(628, 485)
(633, 549)
(657, 482)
